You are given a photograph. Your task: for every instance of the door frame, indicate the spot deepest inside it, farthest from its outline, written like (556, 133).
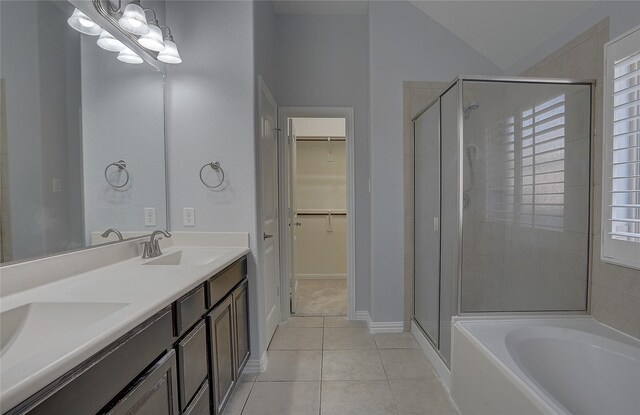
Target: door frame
(262, 288)
(284, 113)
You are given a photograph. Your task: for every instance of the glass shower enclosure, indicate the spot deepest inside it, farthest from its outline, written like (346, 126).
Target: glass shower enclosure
(502, 190)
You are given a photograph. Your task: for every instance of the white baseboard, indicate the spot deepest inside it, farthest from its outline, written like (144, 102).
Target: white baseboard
(256, 365)
(320, 276)
(443, 371)
(376, 327)
(386, 327)
(363, 315)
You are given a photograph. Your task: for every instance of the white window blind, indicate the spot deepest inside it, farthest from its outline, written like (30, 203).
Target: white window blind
(543, 135)
(525, 165)
(621, 158)
(499, 144)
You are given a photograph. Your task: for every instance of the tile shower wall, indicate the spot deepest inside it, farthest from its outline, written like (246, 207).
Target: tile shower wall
(525, 247)
(615, 290)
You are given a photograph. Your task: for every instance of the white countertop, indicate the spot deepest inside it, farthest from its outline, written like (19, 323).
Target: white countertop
(139, 292)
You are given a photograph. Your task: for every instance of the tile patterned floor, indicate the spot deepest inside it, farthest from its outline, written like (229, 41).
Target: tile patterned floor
(333, 366)
(318, 297)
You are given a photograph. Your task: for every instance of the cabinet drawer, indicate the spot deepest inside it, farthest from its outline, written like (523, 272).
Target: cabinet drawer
(89, 387)
(189, 309)
(221, 284)
(154, 393)
(192, 363)
(201, 404)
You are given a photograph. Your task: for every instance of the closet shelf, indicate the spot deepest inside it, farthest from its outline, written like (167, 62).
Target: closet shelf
(319, 212)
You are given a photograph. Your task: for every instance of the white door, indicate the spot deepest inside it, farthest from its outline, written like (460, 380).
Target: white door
(293, 214)
(269, 194)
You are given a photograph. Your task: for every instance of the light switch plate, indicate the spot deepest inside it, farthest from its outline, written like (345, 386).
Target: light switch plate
(56, 185)
(188, 217)
(150, 216)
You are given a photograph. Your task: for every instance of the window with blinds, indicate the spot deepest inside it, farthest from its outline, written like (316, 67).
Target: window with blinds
(499, 144)
(621, 161)
(543, 135)
(525, 167)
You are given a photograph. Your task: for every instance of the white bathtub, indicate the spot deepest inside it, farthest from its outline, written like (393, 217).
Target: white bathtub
(571, 365)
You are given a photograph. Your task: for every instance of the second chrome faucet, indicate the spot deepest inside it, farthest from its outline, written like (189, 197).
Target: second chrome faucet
(151, 248)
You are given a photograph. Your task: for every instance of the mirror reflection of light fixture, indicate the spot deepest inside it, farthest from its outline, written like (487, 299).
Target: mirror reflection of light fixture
(170, 52)
(133, 19)
(153, 39)
(83, 24)
(110, 43)
(126, 55)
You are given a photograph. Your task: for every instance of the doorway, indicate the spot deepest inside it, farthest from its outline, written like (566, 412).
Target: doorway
(317, 236)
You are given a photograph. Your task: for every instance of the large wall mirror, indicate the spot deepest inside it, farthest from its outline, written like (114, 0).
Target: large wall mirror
(82, 136)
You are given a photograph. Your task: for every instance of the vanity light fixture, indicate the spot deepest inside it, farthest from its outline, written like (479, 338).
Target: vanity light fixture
(170, 52)
(126, 55)
(110, 43)
(153, 39)
(133, 19)
(83, 24)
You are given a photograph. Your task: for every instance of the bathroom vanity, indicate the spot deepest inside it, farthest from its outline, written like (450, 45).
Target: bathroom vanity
(168, 335)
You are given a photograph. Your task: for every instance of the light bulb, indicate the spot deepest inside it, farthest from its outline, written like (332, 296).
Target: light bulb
(86, 22)
(153, 39)
(126, 55)
(170, 52)
(110, 43)
(83, 24)
(133, 19)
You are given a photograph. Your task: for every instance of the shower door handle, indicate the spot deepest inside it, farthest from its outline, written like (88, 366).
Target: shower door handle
(436, 224)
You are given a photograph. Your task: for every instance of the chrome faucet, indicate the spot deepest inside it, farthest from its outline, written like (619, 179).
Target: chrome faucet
(109, 231)
(151, 248)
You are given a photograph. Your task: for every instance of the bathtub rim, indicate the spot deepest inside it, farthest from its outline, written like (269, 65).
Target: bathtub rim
(541, 398)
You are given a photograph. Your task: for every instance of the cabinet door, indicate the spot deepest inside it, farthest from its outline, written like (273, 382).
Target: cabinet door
(220, 322)
(192, 363)
(154, 393)
(241, 316)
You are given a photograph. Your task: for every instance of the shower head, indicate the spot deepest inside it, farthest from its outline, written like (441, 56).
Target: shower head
(473, 105)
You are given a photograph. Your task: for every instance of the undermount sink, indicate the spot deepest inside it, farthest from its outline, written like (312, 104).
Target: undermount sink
(187, 257)
(30, 328)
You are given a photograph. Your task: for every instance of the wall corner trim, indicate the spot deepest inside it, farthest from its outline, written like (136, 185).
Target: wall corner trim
(256, 365)
(376, 327)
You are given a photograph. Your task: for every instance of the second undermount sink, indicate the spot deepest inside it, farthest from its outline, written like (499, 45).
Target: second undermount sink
(31, 328)
(187, 257)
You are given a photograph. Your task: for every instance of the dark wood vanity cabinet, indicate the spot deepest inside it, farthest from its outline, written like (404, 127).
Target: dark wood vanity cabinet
(185, 360)
(154, 393)
(241, 318)
(222, 345)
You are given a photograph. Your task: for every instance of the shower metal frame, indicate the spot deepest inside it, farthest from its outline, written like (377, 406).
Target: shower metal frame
(457, 282)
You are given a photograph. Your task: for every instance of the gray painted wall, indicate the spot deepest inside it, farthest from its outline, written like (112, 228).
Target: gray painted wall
(122, 118)
(623, 16)
(210, 116)
(41, 69)
(323, 61)
(418, 49)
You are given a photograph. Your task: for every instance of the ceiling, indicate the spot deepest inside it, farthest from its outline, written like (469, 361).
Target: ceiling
(503, 31)
(324, 7)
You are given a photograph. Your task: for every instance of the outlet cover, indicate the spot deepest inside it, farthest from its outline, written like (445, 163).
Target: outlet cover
(188, 217)
(150, 216)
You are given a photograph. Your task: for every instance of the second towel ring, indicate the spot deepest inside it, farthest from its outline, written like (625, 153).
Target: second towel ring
(122, 165)
(215, 165)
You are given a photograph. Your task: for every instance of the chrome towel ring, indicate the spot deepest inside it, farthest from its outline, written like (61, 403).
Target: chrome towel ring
(122, 166)
(215, 165)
